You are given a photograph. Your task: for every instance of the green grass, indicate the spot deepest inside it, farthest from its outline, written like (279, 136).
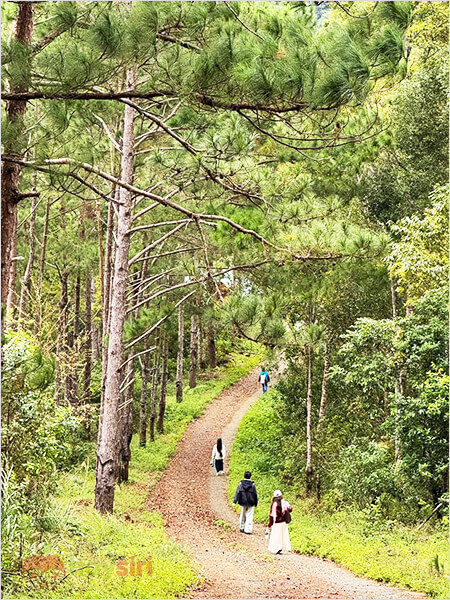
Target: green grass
(81, 537)
(396, 554)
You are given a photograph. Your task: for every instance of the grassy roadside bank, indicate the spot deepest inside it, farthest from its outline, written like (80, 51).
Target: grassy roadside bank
(389, 552)
(84, 540)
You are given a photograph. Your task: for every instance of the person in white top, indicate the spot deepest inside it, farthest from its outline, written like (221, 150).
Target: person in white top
(279, 517)
(218, 456)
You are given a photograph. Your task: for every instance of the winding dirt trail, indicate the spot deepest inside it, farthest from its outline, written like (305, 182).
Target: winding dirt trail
(234, 565)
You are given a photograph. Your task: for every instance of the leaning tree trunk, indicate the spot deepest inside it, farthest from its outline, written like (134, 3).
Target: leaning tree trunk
(10, 173)
(108, 427)
(145, 374)
(193, 353)
(212, 361)
(163, 392)
(154, 393)
(324, 396)
(179, 382)
(309, 464)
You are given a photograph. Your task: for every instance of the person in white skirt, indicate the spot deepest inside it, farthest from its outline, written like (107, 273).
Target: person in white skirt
(279, 517)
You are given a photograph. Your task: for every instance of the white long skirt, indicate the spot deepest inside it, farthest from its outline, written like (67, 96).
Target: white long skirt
(279, 538)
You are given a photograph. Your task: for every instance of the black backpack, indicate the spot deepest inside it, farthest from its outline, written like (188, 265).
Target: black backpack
(287, 516)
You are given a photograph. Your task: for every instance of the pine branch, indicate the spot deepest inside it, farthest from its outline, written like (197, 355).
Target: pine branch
(133, 356)
(146, 283)
(156, 243)
(155, 257)
(168, 38)
(209, 101)
(164, 201)
(242, 22)
(156, 325)
(197, 281)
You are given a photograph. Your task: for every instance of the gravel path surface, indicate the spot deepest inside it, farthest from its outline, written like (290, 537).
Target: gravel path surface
(233, 565)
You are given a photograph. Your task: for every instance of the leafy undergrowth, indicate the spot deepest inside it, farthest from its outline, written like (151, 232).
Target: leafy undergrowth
(385, 551)
(94, 544)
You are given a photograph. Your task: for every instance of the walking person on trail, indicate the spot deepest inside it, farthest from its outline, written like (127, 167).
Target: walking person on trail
(218, 456)
(264, 379)
(279, 517)
(247, 498)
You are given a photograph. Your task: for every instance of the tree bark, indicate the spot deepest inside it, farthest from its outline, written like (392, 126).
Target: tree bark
(88, 340)
(76, 318)
(201, 346)
(126, 426)
(108, 427)
(41, 269)
(25, 288)
(180, 354)
(94, 329)
(10, 173)
(61, 350)
(72, 348)
(145, 374)
(309, 464)
(393, 298)
(163, 391)
(155, 379)
(212, 361)
(100, 251)
(324, 396)
(108, 263)
(193, 353)
(108, 275)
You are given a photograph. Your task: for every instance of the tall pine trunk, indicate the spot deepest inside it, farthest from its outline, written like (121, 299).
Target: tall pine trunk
(309, 463)
(95, 333)
(25, 283)
(10, 173)
(212, 361)
(163, 392)
(154, 393)
(180, 354)
(201, 345)
(61, 349)
(324, 395)
(41, 269)
(108, 276)
(73, 348)
(145, 374)
(109, 422)
(126, 426)
(88, 340)
(193, 353)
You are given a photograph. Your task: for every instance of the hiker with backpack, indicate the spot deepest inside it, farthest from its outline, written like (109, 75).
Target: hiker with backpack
(247, 498)
(264, 379)
(279, 517)
(218, 456)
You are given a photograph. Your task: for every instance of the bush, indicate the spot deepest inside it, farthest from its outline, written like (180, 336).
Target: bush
(37, 439)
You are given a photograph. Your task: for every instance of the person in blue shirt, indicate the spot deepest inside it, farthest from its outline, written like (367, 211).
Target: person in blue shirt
(264, 379)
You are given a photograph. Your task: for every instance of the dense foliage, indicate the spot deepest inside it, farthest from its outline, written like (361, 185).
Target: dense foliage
(182, 179)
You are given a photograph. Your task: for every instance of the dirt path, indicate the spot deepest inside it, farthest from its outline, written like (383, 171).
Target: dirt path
(235, 565)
